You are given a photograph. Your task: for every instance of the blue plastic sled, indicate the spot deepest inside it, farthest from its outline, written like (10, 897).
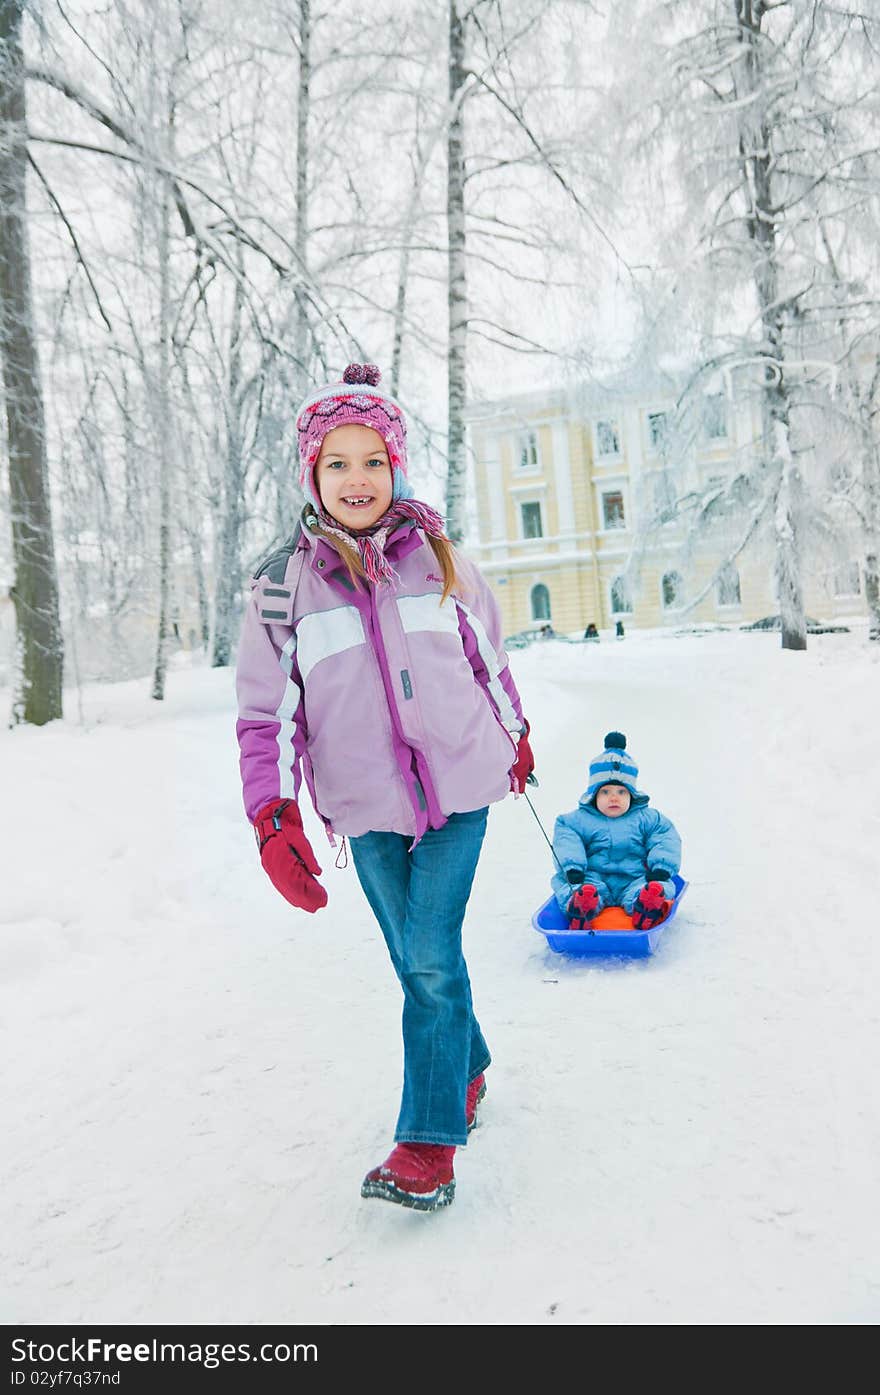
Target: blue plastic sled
(633, 944)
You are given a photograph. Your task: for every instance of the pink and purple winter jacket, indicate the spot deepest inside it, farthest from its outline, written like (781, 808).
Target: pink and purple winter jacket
(397, 710)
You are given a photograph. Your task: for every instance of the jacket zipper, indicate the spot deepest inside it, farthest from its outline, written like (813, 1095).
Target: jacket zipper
(413, 779)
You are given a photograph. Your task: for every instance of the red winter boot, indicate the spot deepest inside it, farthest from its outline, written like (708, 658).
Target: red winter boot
(583, 906)
(475, 1092)
(651, 907)
(418, 1175)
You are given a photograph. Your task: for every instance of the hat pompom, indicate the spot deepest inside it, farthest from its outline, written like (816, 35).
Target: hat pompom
(362, 373)
(615, 741)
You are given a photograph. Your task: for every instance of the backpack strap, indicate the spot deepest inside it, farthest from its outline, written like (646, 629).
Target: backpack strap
(277, 579)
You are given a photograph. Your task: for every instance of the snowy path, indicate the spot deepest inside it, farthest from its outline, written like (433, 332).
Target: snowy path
(196, 1076)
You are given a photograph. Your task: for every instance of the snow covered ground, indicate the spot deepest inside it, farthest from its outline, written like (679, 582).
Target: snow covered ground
(197, 1076)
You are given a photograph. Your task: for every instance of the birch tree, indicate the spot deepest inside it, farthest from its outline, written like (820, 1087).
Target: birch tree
(499, 77)
(755, 75)
(39, 669)
(303, 45)
(740, 104)
(853, 398)
(457, 273)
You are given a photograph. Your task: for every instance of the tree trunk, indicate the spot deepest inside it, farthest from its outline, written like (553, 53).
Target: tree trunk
(420, 163)
(871, 518)
(866, 403)
(301, 346)
(39, 671)
(201, 590)
(162, 418)
(400, 310)
(195, 541)
(287, 497)
(789, 511)
(860, 400)
(757, 162)
(227, 587)
(872, 594)
(458, 308)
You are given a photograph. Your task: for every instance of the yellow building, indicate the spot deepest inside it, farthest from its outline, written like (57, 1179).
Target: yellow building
(575, 496)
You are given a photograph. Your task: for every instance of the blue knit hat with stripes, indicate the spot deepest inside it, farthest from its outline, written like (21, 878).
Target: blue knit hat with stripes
(614, 766)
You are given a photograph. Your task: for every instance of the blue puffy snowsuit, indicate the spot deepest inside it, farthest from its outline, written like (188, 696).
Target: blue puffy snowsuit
(615, 854)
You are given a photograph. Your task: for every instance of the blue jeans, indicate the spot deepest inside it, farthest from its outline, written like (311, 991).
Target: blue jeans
(419, 899)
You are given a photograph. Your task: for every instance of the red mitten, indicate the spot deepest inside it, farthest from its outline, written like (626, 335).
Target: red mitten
(524, 764)
(651, 906)
(584, 905)
(287, 856)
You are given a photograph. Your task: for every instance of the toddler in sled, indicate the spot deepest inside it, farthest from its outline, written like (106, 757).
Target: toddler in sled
(613, 850)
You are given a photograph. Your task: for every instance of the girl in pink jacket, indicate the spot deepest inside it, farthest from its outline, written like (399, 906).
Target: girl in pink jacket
(371, 666)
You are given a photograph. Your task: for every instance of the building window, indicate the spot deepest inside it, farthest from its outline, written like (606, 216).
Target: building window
(658, 430)
(607, 438)
(727, 589)
(612, 510)
(621, 601)
(672, 588)
(532, 526)
(715, 417)
(540, 598)
(527, 457)
(847, 581)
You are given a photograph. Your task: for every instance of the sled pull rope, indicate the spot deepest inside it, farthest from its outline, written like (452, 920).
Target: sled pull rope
(530, 780)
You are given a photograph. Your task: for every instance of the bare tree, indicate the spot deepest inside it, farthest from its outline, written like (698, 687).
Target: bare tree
(303, 45)
(38, 693)
(457, 273)
(492, 86)
(739, 93)
(754, 75)
(160, 401)
(853, 398)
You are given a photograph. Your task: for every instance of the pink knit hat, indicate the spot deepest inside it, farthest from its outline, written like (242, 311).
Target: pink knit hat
(356, 400)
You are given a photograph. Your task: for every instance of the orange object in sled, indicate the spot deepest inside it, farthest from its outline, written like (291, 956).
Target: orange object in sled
(612, 918)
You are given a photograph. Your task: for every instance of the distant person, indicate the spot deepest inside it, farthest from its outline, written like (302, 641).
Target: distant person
(547, 632)
(612, 849)
(618, 629)
(371, 670)
(591, 632)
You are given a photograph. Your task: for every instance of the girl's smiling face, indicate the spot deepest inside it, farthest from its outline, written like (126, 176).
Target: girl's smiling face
(353, 475)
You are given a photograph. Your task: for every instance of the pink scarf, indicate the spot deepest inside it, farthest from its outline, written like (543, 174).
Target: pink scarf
(371, 543)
